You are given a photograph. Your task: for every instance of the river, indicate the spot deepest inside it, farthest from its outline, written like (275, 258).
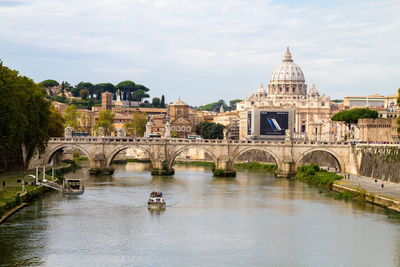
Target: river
(253, 219)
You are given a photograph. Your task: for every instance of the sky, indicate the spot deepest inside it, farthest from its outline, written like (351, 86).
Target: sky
(205, 50)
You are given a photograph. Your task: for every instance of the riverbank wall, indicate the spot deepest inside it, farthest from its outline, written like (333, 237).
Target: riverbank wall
(381, 162)
(383, 201)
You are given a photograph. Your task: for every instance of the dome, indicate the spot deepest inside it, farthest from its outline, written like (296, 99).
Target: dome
(287, 70)
(179, 102)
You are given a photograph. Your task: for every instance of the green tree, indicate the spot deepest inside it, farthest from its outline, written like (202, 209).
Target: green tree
(49, 83)
(106, 119)
(162, 105)
(351, 117)
(210, 130)
(156, 102)
(71, 116)
(56, 123)
(126, 87)
(139, 95)
(215, 106)
(233, 103)
(82, 85)
(137, 126)
(84, 93)
(103, 87)
(24, 118)
(174, 134)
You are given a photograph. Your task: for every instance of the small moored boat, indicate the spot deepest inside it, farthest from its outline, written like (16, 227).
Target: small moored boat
(156, 201)
(73, 187)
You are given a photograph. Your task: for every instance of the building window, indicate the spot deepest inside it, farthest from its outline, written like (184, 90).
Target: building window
(322, 103)
(179, 111)
(188, 128)
(303, 128)
(177, 128)
(183, 128)
(173, 128)
(180, 120)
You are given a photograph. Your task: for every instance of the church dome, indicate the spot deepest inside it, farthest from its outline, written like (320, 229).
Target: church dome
(287, 71)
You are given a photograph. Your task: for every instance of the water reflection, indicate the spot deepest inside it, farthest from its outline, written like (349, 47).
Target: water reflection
(251, 219)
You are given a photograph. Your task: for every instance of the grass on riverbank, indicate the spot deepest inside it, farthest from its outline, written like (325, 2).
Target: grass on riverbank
(256, 166)
(138, 160)
(195, 163)
(312, 174)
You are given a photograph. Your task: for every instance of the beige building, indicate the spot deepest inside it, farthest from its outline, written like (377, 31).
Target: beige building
(378, 130)
(287, 89)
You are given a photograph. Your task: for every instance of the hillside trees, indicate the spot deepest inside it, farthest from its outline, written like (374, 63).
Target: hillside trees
(351, 117)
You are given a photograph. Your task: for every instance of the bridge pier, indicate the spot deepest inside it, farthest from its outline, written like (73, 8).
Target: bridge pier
(286, 170)
(99, 165)
(224, 169)
(161, 167)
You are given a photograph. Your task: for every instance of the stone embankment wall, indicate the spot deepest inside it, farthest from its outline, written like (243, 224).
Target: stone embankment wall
(381, 162)
(322, 158)
(257, 156)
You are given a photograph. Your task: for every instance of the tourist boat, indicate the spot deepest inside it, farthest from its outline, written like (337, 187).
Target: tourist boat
(156, 201)
(73, 187)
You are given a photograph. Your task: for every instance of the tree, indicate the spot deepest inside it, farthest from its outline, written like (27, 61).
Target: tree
(210, 130)
(162, 105)
(49, 83)
(103, 87)
(233, 103)
(139, 95)
(352, 116)
(126, 87)
(24, 119)
(71, 116)
(137, 126)
(106, 119)
(156, 102)
(83, 85)
(84, 93)
(56, 123)
(214, 106)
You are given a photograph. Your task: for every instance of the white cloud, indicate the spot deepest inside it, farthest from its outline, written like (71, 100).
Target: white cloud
(205, 49)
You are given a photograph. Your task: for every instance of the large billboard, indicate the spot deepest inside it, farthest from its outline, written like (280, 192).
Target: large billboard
(249, 123)
(273, 122)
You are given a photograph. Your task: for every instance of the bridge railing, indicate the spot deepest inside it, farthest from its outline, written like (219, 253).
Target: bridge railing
(141, 140)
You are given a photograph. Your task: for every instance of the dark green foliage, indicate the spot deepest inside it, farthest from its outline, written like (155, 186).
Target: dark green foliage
(210, 130)
(156, 102)
(25, 115)
(18, 200)
(353, 115)
(162, 105)
(224, 173)
(256, 166)
(313, 175)
(103, 87)
(215, 106)
(49, 83)
(126, 88)
(233, 103)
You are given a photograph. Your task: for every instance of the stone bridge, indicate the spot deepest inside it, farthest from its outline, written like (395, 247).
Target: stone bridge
(225, 153)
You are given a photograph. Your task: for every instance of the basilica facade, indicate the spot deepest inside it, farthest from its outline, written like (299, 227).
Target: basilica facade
(287, 89)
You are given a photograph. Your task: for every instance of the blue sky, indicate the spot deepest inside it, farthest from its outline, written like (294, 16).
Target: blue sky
(205, 50)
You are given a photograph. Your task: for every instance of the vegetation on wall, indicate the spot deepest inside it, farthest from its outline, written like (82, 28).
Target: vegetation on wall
(312, 174)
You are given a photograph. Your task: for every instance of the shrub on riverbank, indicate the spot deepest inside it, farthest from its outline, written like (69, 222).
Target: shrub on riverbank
(312, 174)
(196, 163)
(256, 166)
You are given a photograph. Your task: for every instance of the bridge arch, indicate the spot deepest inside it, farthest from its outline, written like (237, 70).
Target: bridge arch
(117, 150)
(338, 159)
(270, 152)
(50, 154)
(176, 153)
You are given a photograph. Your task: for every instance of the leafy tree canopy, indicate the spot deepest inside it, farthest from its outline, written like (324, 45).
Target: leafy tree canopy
(162, 105)
(56, 123)
(215, 106)
(71, 116)
(352, 116)
(106, 119)
(233, 103)
(137, 126)
(49, 83)
(156, 102)
(210, 130)
(139, 95)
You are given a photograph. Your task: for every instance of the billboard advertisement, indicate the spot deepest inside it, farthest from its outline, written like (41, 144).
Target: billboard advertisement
(273, 122)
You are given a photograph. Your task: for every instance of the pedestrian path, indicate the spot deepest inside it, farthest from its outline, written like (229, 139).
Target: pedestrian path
(391, 190)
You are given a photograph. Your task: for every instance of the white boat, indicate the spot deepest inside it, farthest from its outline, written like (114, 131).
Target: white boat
(73, 187)
(156, 201)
